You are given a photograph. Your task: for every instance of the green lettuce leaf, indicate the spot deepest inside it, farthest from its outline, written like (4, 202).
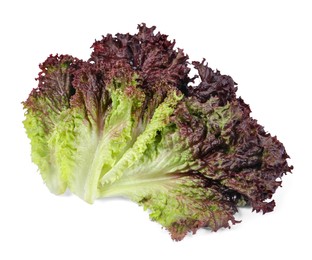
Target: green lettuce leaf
(44, 108)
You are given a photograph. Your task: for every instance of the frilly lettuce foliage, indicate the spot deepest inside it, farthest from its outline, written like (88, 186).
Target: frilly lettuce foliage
(130, 122)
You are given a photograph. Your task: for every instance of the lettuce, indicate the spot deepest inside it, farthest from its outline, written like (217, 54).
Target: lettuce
(130, 122)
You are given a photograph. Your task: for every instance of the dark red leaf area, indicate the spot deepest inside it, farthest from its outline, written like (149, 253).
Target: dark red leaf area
(233, 149)
(55, 89)
(54, 83)
(150, 55)
(212, 84)
(91, 94)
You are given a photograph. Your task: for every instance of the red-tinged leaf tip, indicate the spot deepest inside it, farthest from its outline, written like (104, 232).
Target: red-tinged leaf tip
(151, 55)
(213, 84)
(54, 83)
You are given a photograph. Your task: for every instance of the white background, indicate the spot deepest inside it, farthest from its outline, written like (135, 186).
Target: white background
(264, 45)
